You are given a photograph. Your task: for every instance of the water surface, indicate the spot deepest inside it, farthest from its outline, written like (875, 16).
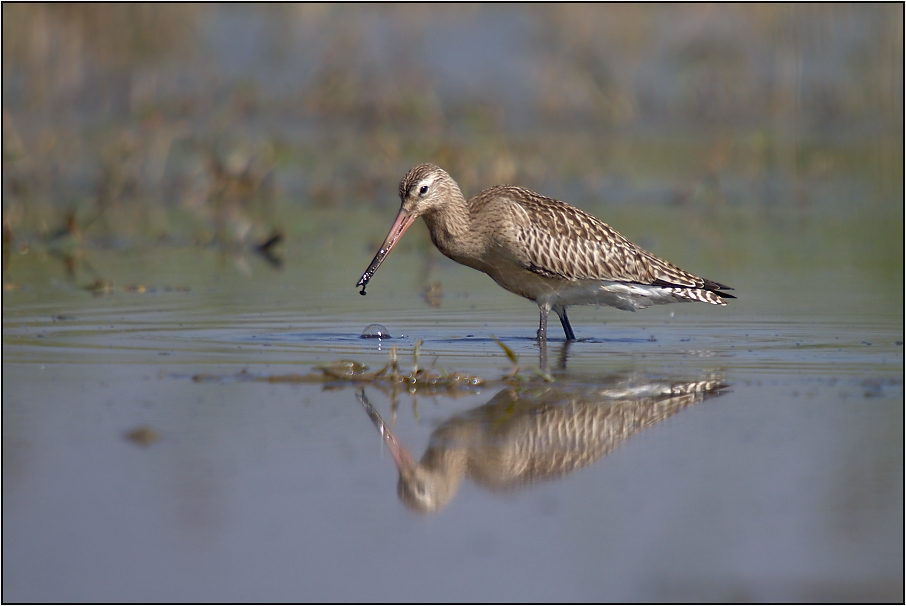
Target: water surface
(168, 436)
(787, 486)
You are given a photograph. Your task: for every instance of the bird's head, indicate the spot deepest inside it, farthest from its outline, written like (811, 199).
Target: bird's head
(423, 190)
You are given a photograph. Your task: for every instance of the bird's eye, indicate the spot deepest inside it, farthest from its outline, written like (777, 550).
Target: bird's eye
(422, 190)
(420, 489)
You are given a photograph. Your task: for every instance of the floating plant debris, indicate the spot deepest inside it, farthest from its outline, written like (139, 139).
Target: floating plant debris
(390, 375)
(143, 436)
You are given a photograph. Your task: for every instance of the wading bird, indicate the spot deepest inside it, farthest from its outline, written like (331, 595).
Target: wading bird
(539, 248)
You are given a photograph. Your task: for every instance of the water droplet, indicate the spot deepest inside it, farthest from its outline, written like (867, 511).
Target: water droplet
(375, 331)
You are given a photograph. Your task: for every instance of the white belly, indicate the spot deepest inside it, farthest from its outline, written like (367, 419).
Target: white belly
(553, 292)
(621, 295)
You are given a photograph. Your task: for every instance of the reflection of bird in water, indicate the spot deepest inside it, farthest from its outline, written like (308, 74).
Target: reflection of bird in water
(528, 435)
(539, 248)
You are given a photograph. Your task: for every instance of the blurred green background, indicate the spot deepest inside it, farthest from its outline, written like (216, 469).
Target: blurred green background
(130, 125)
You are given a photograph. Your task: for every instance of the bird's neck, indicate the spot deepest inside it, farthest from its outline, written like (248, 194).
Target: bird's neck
(450, 225)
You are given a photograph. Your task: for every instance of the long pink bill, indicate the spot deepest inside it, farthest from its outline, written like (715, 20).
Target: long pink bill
(399, 227)
(400, 455)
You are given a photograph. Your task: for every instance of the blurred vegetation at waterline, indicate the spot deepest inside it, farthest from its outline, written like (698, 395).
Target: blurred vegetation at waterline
(188, 124)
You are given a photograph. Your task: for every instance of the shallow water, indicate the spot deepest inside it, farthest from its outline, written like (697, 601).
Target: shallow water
(125, 479)
(168, 435)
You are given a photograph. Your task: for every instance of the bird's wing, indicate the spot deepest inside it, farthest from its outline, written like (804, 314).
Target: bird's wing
(555, 239)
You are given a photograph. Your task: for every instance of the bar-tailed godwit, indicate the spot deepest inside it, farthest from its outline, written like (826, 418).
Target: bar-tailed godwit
(539, 248)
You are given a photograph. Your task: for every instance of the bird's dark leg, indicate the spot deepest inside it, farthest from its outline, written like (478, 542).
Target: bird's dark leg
(570, 335)
(542, 328)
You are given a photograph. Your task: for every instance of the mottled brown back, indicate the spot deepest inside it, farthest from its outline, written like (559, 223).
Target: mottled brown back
(565, 242)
